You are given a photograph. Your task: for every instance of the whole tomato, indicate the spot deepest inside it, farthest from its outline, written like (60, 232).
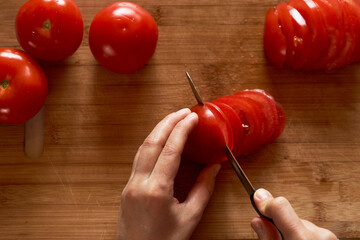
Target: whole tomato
(123, 37)
(23, 86)
(50, 30)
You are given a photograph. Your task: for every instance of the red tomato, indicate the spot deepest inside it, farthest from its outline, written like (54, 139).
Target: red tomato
(123, 37)
(243, 121)
(320, 34)
(287, 28)
(251, 117)
(302, 38)
(50, 30)
(274, 40)
(236, 126)
(317, 33)
(206, 143)
(268, 108)
(23, 86)
(332, 14)
(279, 128)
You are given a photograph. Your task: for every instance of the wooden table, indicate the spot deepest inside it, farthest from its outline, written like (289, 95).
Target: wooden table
(96, 119)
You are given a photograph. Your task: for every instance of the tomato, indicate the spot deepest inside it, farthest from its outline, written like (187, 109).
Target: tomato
(50, 30)
(235, 123)
(274, 40)
(320, 34)
(287, 28)
(23, 86)
(317, 33)
(332, 15)
(351, 35)
(251, 117)
(206, 143)
(243, 121)
(123, 37)
(302, 38)
(268, 108)
(279, 128)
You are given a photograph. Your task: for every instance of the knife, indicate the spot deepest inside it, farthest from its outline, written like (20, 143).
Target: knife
(247, 185)
(234, 163)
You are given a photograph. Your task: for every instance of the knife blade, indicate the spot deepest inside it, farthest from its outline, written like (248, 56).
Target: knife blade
(247, 185)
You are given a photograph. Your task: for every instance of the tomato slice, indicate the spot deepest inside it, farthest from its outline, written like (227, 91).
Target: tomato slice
(355, 6)
(302, 38)
(268, 108)
(287, 28)
(251, 117)
(316, 31)
(206, 143)
(331, 11)
(223, 122)
(274, 40)
(351, 35)
(236, 125)
(281, 122)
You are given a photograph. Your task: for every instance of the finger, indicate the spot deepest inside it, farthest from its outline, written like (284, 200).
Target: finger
(264, 229)
(281, 211)
(202, 190)
(150, 150)
(169, 160)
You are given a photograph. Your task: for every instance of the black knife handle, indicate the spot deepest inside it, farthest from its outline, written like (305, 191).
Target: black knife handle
(262, 215)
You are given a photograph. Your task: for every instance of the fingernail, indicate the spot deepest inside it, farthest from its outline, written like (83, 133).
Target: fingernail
(182, 111)
(191, 116)
(262, 194)
(257, 226)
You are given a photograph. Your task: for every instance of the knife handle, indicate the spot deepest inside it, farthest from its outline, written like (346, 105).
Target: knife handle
(262, 215)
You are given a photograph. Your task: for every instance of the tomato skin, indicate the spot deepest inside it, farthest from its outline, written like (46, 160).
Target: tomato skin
(206, 143)
(50, 30)
(274, 40)
(23, 86)
(123, 37)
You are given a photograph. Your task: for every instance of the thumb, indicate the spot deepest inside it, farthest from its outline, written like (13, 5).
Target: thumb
(282, 213)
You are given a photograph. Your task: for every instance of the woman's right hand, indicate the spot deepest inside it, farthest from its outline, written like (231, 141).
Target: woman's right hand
(286, 219)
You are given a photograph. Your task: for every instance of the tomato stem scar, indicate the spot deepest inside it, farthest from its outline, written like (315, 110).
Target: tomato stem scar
(4, 83)
(47, 24)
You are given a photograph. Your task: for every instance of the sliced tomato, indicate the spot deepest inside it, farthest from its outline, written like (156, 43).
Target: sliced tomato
(302, 38)
(251, 117)
(206, 143)
(318, 33)
(287, 28)
(281, 122)
(316, 38)
(268, 108)
(236, 125)
(355, 6)
(274, 40)
(351, 35)
(223, 122)
(331, 11)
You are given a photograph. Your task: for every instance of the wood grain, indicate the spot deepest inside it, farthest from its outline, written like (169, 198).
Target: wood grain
(95, 120)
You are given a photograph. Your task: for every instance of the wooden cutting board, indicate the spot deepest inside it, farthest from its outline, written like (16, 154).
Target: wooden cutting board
(95, 120)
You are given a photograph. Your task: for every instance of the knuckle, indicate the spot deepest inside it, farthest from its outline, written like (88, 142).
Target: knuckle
(151, 141)
(170, 150)
(279, 203)
(129, 193)
(156, 193)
